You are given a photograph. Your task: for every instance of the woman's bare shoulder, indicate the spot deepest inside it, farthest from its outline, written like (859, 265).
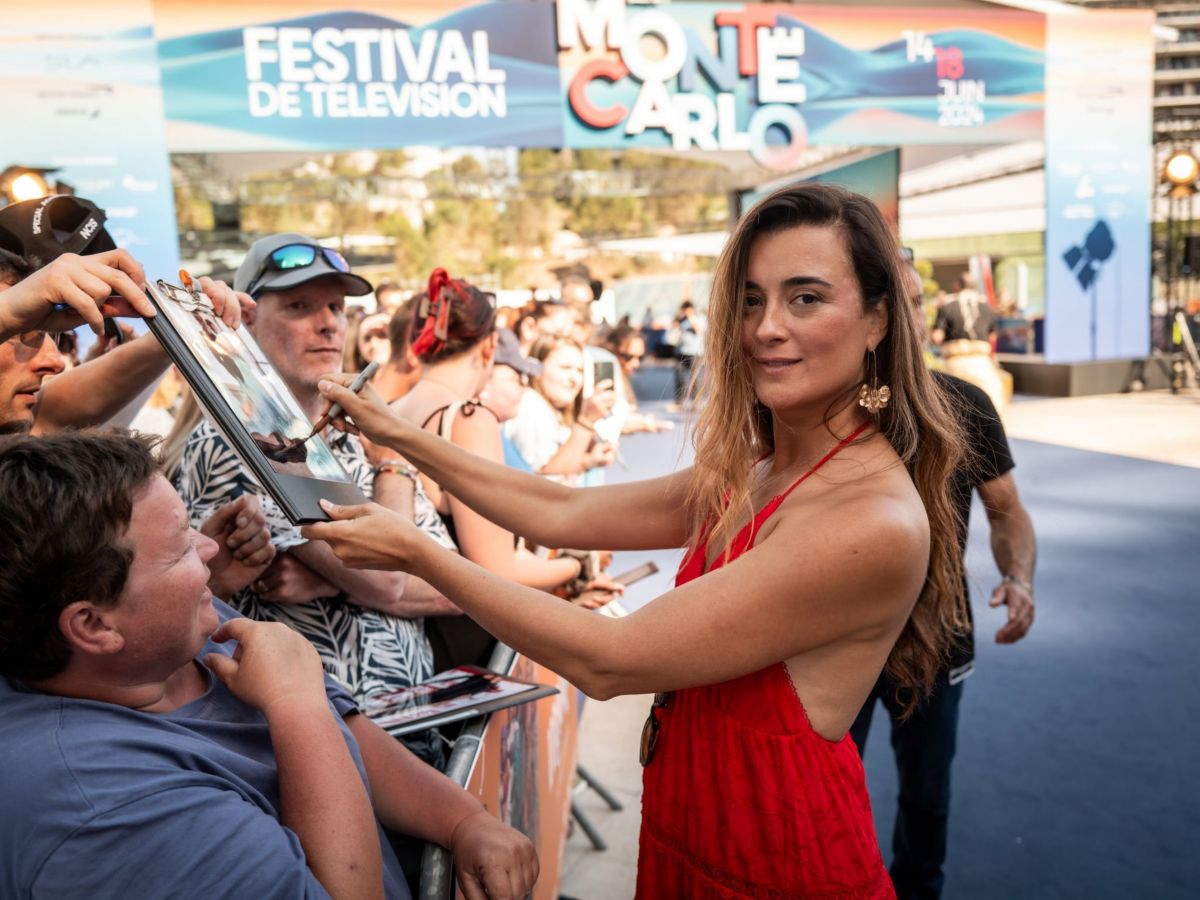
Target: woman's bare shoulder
(867, 505)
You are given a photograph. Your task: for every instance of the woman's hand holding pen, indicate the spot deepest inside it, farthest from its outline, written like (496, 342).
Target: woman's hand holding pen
(366, 411)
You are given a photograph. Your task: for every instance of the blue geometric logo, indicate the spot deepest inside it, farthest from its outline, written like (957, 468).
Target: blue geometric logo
(1085, 261)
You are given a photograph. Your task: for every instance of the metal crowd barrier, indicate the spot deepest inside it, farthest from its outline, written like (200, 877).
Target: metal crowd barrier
(437, 865)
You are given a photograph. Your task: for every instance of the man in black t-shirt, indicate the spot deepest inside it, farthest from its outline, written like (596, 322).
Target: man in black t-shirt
(962, 331)
(924, 742)
(964, 317)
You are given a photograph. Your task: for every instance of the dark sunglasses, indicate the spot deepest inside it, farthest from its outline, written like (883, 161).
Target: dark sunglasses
(630, 357)
(296, 256)
(651, 729)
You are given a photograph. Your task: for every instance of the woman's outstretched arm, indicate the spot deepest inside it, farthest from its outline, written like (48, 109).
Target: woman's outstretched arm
(641, 515)
(815, 580)
(483, 541)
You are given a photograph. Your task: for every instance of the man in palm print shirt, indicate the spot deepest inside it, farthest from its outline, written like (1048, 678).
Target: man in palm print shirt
(367, 626)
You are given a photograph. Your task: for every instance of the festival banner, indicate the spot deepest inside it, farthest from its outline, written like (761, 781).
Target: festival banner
(771, 79)
(82, 97)
(1099, 177)
(307, 74)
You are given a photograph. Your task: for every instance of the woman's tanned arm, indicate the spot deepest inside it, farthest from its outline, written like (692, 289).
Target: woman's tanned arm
(645, 515)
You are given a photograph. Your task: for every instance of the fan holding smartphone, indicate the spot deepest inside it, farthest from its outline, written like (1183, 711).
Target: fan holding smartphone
(601, 376)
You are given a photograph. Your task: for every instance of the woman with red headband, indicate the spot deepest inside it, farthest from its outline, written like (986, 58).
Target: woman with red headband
(822, 547)
(453, 333)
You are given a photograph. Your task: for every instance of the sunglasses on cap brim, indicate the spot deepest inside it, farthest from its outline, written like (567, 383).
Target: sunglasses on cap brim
(296, 256)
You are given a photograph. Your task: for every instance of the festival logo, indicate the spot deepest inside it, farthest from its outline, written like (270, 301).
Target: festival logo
(483, 75)
(771, 79)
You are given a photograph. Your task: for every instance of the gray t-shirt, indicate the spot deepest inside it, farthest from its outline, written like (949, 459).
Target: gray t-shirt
(99, 800)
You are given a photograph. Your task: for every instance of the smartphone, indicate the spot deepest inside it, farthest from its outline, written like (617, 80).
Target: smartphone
(113, 330)
(603, 370)
(645, 570)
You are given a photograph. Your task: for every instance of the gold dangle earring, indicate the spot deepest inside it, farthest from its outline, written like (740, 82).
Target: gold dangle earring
(874, 396)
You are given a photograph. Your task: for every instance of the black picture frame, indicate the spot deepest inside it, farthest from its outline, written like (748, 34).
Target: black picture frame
(249, 404)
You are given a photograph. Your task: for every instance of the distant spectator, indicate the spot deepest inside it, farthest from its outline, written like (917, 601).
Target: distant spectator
(555, 428)
(629, 347)
(962, 330)
(965, 316)
(389, 296)
(367, 341)
(403, 367)
(688, 349)
(545, 318)
(502, 395)
(598, 358)
(577, 293)
(508, 316)
(453, 334)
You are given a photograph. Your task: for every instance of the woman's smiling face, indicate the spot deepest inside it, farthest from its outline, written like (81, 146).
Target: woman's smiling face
(805, 331)
(562, 376)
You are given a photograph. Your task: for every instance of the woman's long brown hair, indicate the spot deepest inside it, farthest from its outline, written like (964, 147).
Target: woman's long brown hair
(735, 429)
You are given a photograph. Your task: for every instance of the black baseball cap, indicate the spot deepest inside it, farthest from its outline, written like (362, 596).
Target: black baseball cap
(276, 279)
(40, 231)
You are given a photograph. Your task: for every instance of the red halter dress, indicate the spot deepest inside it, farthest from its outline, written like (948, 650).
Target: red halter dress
(742, 798)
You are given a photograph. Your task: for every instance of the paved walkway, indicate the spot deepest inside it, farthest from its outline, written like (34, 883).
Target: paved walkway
(1154, 426)
(1157, 425)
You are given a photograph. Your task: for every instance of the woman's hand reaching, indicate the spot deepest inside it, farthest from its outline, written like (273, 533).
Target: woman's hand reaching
(598, 592)
(363, 413)
(369, 536)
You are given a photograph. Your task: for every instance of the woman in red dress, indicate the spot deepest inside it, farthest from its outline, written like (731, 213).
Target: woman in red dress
(821, 549)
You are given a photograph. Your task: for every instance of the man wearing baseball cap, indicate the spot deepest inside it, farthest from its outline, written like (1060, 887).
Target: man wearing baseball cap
(59, 267)
(502, 396)
(366, 625)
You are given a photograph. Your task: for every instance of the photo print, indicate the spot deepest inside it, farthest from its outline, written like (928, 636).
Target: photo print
(249, 403)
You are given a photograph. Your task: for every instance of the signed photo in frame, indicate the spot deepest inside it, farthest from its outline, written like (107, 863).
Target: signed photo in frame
(249, 404)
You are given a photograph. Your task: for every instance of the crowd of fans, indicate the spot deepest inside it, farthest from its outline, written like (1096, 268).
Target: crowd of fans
(547, 395)
(168, 701)
(445, 365)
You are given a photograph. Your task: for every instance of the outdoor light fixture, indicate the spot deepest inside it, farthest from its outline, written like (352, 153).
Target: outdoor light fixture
(19, 183)
(1181, 171)
(1179, 174)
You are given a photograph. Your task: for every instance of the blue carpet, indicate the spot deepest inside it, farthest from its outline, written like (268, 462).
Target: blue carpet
(1076, 771)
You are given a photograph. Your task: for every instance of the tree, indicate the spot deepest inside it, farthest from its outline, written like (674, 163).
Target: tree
(414, 253)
